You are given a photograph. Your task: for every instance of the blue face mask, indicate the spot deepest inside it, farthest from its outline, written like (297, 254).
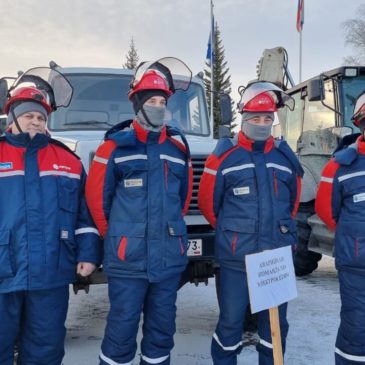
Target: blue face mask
(256, 132)
(155, 115)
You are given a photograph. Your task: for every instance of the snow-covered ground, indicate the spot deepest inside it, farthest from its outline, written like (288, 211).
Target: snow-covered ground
(313, 319)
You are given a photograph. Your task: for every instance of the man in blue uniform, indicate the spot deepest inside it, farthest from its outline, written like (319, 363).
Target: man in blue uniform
(138, 190)
(46, 232)
(249, 192)
(340, 203)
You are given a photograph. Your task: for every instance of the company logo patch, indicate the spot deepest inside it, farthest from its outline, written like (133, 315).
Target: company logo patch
(359, 197)
(244, 190)
(6, 165)
(131, 183)
(57, 167)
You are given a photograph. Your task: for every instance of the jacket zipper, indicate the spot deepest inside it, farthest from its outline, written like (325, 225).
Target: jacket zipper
(234, 242)
(122, 248)
(166, 172)
(182, 249)
(357, 247)
(276, 189)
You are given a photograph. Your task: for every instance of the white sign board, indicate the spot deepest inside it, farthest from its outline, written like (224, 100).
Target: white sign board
(271, 278)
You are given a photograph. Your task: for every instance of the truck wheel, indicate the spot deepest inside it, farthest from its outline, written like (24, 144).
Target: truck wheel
(250, 319)
(305, 261)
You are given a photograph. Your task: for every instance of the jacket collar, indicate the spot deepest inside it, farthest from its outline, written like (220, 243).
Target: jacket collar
(361, 145)
(251, 145)
(145, 136)
(24, 140)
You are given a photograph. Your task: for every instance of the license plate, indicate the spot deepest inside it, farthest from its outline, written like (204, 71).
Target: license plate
(195, 247)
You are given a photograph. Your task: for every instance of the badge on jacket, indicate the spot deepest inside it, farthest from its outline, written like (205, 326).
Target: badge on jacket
(131, 183)
(359, 197)
(244, 190)
(6, 165)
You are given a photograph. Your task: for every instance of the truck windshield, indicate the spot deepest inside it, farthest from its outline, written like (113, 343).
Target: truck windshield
(351, 89)
(100, 101)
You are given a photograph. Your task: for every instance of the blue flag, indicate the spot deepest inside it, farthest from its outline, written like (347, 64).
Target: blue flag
(210, 50)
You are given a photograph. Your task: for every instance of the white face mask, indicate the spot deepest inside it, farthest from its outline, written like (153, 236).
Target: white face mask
(155, 115)
(256, 132)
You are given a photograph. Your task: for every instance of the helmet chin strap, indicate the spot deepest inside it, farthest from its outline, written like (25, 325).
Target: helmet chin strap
(140, 107)
(15, 120)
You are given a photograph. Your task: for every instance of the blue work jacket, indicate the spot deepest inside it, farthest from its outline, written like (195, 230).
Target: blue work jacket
(45, 225)
(138, 190)
(250, 193)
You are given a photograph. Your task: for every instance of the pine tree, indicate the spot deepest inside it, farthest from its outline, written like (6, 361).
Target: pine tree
(221, 81)
(131, 57)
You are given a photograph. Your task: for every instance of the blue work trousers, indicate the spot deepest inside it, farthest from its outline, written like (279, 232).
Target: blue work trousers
(350, 342)
(129, 297)
(35, 322)
(233, 302)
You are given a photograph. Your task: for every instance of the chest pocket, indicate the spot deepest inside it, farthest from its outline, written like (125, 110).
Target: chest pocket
(281, 184)
(6, 267)
(134, 174)
(67, 193)
(354, 185)
(240, 184)
(174, 170)
(354, 194)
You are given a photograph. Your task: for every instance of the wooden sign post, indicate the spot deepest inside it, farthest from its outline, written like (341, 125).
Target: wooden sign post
(271, 282)
(276, 336)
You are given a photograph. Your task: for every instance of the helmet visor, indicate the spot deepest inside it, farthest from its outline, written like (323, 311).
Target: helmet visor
(170, 67)
(280, 97)
(52, 82)
(359, 103)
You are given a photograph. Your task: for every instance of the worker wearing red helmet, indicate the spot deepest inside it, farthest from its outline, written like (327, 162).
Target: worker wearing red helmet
(340, 203)
(249, 192)
(46, 232)
(138, 190)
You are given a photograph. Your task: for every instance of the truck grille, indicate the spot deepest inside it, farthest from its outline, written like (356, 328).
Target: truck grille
(198, 168)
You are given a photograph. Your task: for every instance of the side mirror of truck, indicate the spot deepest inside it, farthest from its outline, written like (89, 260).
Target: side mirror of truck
(315, 90)
(225, 106)
(3, 93)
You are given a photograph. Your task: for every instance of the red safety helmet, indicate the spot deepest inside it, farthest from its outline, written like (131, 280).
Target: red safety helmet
(359, 110)
(263, 102)
(263, 96)
(27, 94)
(150, 80)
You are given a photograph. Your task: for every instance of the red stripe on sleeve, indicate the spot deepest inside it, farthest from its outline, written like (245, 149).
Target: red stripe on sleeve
(297, 200)
(190, 189)
(94, 189)
(324, 195)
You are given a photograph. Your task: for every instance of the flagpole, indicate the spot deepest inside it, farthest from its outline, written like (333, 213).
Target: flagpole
(211, 64)
(300, 55)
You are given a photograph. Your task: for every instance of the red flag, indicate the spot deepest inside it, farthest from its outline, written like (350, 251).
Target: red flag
(300, 15)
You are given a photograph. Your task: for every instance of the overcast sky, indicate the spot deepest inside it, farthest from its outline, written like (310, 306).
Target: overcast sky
(98, 33)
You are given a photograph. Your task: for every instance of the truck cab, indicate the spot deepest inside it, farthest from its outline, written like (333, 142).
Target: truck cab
(322, 117)
(100, 101)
